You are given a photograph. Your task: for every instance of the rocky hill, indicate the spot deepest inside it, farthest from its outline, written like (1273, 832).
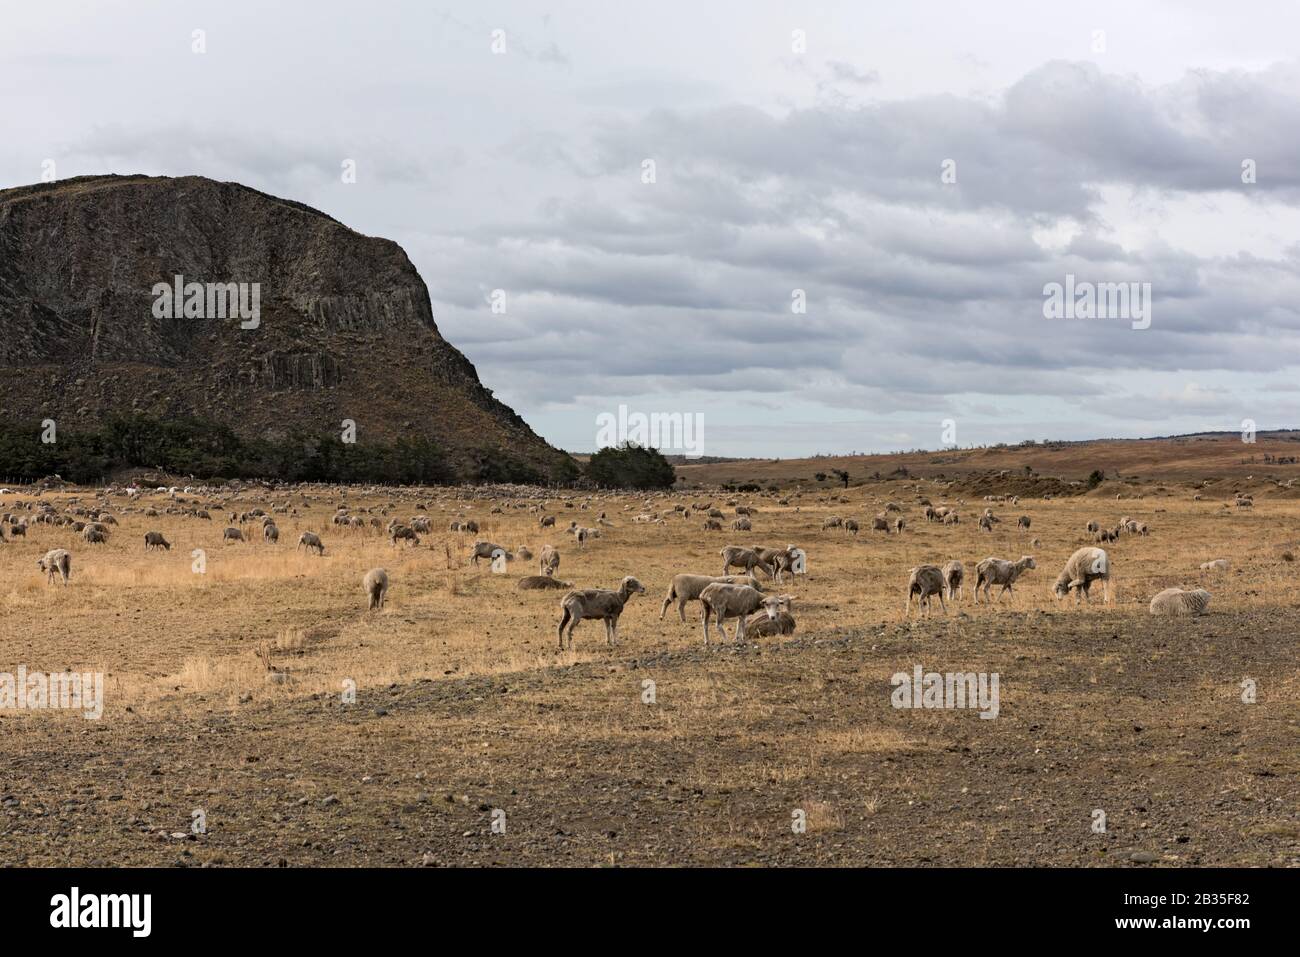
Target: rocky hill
(344, 326)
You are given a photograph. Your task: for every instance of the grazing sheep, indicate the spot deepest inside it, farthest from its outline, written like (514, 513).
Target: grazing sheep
(534, 582)
(899, 525)
(742, 525)
(232, 535)
(599, 604)
(1218, 565)
(484, 550)
(376, 587)
(1023, 522)
(832, 522)
(524, 553)
(931, 514)
(722, 601)
(712, 525)
(986, 523)
(745, 558)
(94, 535)
(1085, 566)
(925, 581)
(403, 533)
(310, 540)
(998, 571)
(851, 525)
(1175, 601)
(18, 530)
(156, 540)
(271, 533)
(546, 521)
(953, 574)
(952, 518)
(550, 560)
(57, 561)
(1093, 527)
(686, 587)
(880, 524)
(1105, 535)
(762, 624)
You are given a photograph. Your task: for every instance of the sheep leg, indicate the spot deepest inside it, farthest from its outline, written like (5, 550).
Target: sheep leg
(564, 620)
(707, 612)
(719, 622)
(681, 610)
(664, 610)
(942, 604)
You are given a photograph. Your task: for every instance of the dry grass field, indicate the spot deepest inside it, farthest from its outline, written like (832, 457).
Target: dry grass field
(224, 691)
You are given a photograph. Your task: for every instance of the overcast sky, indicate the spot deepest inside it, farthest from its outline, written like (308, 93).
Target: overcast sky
(1105, 141)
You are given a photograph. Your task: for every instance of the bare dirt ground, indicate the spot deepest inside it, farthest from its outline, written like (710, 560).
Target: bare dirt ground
(467, 714)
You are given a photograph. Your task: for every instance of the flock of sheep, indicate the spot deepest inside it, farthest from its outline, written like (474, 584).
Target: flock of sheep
(723, 597)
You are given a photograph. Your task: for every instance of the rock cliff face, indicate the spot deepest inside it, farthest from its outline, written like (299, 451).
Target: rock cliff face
(344, 326)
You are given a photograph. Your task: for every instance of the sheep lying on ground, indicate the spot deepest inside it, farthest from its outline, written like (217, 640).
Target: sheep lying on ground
(687, 587)
(998, 571)
(155, 540)
(1085, 566)
(953, 574)
(722, 601)
(745, 558)
(536, 582)
(762, 624)
(1175, 601)
(376, 586)
(1218, 565)
(925, 581)
(599, 604)
(57, 561)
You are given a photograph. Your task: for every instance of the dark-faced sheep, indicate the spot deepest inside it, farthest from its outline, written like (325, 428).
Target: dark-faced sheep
(403, 533)
(598, 604)
(155, 540)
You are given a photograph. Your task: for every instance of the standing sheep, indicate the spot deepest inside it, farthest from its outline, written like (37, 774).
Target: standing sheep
(686, 587)
(310, 540)
(1085, 566)
(156, 540)
(376, 586)
(599, 604)
(999, 571)
(953, 574)
(549, 560)
(57, 561)
(925, 581)
(722, 601)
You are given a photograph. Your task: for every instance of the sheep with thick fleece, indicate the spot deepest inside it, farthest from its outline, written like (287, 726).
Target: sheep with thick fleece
(1085, 566)
(1176, 601)
(376, 585)
(925, 581)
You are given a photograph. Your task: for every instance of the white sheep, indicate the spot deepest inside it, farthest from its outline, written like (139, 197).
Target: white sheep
(999, 571)
(1085, 566)
(925, 581)
(1175, 601)
(722, 601)
(57, 561)
(376, 585)
(686, 587)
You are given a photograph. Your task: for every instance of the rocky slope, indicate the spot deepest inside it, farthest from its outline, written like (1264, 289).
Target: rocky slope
(345, 330)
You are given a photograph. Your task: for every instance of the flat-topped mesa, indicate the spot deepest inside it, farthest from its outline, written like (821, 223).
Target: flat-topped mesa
(344, 325)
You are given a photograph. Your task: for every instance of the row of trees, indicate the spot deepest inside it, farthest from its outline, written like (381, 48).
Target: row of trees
(209, 450)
